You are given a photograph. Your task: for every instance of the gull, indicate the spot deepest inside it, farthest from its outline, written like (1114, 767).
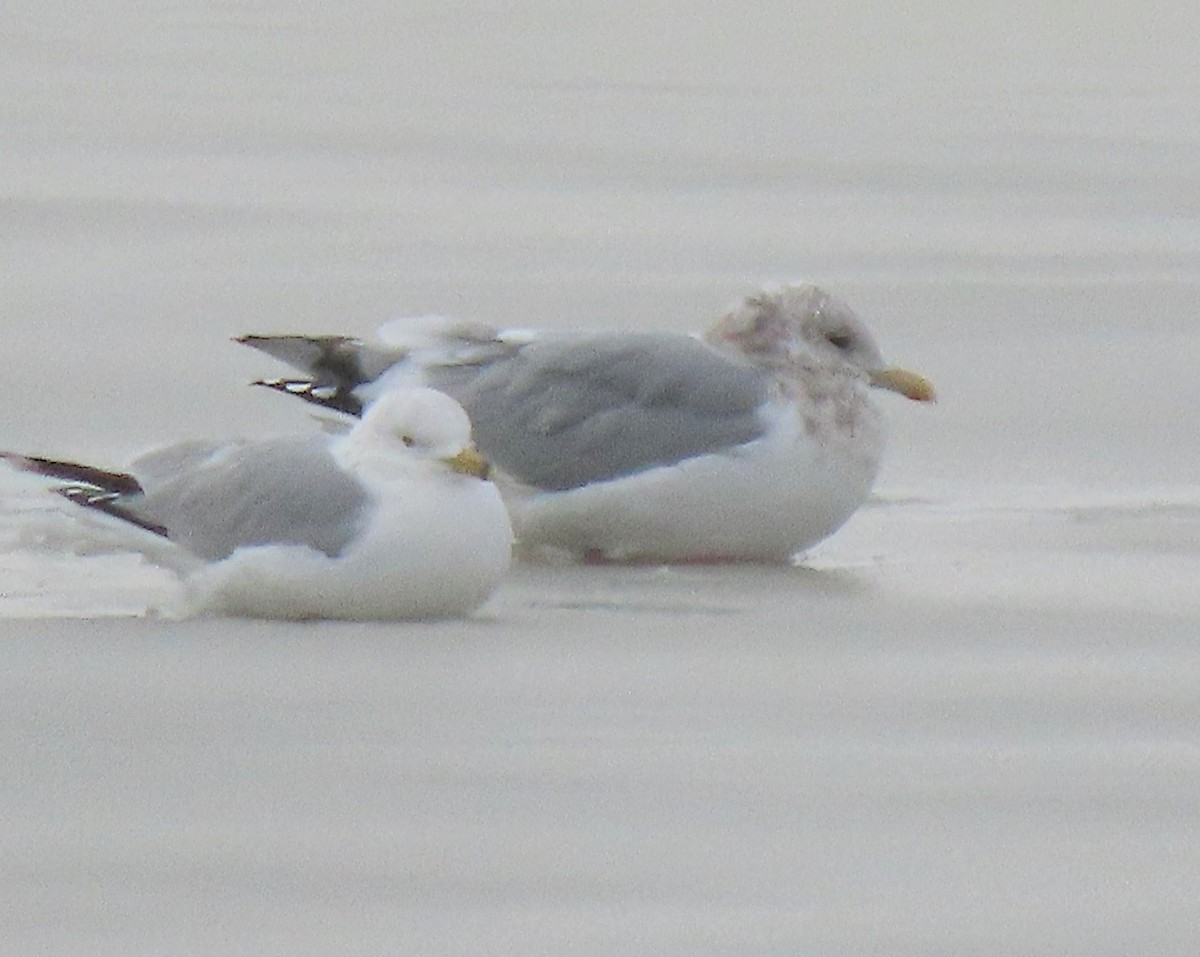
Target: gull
(750, 442)
(393, 520)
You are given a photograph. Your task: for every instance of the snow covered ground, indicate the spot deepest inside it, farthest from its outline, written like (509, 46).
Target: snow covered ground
(969, 723)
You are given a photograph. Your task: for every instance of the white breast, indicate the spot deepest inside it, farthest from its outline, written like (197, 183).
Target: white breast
(765, 500)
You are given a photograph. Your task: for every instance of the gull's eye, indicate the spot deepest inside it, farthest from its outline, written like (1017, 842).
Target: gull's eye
(840, 340)
(408, 440)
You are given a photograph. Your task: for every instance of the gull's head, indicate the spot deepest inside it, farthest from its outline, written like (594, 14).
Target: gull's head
(798, 325)
(419, 424)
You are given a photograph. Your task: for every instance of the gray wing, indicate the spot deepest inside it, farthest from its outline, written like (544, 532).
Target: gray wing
(560, 414)
(165, 464)
(280, 492)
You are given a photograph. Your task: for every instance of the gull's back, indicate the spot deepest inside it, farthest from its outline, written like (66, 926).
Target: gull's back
(215, 499)
(563, 412)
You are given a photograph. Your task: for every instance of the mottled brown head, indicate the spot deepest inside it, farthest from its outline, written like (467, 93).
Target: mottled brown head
(791, 326)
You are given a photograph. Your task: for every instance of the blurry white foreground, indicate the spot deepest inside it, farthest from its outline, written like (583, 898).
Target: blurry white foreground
(954, 730)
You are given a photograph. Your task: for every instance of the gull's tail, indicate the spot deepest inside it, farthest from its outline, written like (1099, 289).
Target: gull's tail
(345, 374)
(89, 487)
(339, 367)
(331, 360)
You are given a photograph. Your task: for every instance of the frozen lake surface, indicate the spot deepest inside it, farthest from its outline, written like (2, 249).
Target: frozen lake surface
(969, 723)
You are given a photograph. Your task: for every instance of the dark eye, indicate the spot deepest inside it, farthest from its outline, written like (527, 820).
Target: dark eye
(840, 340)
(407, 440)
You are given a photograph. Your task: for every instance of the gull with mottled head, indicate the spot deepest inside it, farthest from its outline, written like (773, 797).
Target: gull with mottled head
(752, 441)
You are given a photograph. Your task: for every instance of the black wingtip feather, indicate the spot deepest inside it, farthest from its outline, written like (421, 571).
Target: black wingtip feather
(120, 483)
(110, 504)
(326, 397)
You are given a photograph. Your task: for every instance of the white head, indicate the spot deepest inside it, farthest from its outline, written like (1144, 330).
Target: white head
(418, 424)
(789, 327)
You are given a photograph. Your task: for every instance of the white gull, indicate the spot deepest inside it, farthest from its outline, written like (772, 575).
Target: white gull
(393, 520)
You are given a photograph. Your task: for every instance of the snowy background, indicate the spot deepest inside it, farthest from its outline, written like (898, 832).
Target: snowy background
(967, 724)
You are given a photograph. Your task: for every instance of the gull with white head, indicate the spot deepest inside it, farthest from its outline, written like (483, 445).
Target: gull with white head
(394, 520)
(750, 442)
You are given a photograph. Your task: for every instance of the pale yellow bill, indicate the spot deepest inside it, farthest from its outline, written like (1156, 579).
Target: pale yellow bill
(908, 384)
(469, 462)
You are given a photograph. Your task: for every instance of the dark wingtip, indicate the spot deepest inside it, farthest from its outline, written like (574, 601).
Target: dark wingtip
(327, 397)
(89, 487)
(120, 483)
(110, 504)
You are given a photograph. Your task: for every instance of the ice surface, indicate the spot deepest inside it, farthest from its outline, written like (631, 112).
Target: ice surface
(966, 724)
